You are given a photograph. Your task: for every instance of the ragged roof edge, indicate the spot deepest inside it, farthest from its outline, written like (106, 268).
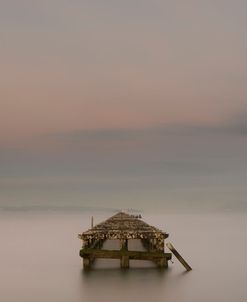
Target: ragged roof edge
(123, 225)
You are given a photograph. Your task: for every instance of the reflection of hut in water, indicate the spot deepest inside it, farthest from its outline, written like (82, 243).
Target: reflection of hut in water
(124, 227)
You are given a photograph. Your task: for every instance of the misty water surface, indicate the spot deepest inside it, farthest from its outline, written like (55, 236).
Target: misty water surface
(40, 262)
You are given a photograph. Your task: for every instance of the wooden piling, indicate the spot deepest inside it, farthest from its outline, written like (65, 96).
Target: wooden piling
(162, 262)
(86, 263)
(124, 261)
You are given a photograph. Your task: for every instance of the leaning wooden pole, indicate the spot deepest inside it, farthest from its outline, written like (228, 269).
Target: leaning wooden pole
(178, 256)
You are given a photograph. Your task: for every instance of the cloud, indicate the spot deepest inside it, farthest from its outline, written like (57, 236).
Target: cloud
(234, 125)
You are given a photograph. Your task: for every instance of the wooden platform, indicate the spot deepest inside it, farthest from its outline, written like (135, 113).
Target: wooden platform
(124, 227)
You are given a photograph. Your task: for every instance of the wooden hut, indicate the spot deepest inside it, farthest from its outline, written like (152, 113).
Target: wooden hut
(124, 227)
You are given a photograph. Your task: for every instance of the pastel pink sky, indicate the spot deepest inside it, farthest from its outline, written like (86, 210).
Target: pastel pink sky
(72, 65)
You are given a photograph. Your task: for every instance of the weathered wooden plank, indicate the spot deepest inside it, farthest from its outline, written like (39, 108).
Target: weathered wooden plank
(178, 256)
(117, 254)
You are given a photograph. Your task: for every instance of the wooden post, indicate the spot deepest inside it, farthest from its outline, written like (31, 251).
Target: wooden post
(91, 222)
(145, 244)
(179, 257)
(124, 244)
(86, 263)
(162, 263)
(124, 261)
(160, 244)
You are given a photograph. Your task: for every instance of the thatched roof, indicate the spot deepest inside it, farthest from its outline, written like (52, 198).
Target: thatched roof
(123, 226)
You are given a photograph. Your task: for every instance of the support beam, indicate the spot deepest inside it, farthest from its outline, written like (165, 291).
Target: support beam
(117, 254)
(179, 257)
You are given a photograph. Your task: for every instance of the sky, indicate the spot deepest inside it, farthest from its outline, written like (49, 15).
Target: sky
(123, 103)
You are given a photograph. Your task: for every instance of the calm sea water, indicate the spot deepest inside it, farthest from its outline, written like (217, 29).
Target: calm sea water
(40, 262)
